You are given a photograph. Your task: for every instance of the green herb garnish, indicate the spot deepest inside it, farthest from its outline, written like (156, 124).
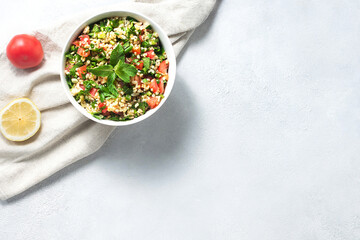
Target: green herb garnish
(124, 71)
(102, 71)
(117, 55)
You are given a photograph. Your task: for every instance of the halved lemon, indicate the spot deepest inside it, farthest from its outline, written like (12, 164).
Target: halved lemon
(19, 120)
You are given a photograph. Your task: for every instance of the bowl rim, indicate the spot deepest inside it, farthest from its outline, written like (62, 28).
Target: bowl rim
(165, 42)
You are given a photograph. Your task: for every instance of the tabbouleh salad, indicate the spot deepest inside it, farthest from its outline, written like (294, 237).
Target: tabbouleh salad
(117, 68)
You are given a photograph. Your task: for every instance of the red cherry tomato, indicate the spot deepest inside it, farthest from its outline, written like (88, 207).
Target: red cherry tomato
(24, 51)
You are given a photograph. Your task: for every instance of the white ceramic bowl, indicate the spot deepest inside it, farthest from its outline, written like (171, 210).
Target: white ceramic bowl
(165, 41)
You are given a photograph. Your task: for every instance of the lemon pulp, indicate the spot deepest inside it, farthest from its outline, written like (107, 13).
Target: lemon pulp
(20, 120)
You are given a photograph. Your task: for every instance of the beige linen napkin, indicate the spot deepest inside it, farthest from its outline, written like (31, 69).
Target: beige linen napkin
(65, 135)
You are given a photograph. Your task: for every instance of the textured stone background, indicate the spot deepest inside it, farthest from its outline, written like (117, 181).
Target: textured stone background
(259, 139)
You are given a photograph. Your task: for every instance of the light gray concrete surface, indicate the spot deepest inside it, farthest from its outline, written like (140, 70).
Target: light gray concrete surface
(259, 139)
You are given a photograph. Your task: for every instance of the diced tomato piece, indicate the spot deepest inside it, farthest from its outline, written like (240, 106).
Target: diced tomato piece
(81, 70)
(76, 43)
(140, 65)
(101, 104)
(81, 51)
(154, 86)
(163, 67)
(150, 54)
(136, 51)
(104, 111)
(93, 91)
(82, 86)
(140, 37)
(161, 86)
(152, 102)
(84, 40)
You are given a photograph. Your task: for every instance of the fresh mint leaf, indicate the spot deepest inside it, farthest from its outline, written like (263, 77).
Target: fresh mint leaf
(111, 79)
(110, 85)
(102, 71)
(105, 93)
(117, 55)
(125, 71)
(108, 90)
(113, 91)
